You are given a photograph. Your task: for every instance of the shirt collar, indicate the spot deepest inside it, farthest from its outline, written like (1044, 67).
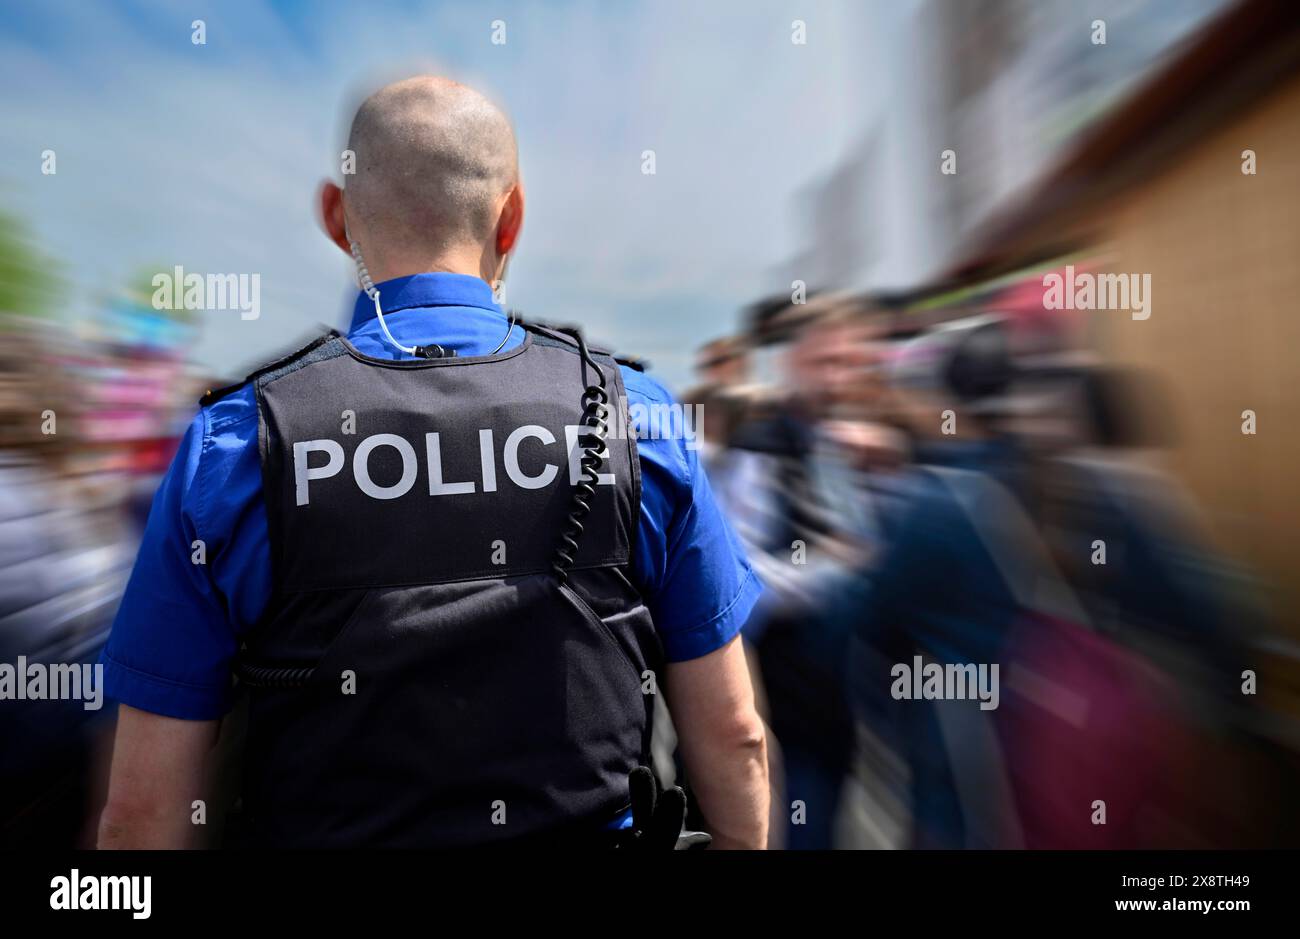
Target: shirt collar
(425, 290)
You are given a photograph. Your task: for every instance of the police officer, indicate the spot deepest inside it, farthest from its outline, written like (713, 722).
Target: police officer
(448, 583)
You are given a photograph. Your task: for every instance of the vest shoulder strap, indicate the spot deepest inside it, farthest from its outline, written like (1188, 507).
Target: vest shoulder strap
(634, 362)
(216, 394)
(554, 334)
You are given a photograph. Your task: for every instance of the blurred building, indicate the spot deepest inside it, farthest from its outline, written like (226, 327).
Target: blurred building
(1159, 185)
(1006, 86)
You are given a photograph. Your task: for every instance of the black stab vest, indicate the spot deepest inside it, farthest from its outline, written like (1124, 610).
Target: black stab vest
(460, 694)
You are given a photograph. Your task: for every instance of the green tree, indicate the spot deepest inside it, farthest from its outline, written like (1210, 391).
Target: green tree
(31, 282)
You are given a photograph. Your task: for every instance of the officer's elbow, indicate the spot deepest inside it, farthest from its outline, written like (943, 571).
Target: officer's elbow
(744, 735)
(723, 743)
(733, 733)
(728, 769)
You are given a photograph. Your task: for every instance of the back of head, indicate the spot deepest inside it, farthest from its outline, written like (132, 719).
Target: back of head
(434, 162)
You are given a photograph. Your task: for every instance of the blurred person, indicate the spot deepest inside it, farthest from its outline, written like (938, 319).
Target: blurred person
(1134, 547)
(937, 387)
(721, 412)
(62, 566)
(966, 582)
(520, 668)
(801, 432)
(1107, 485)
(723, 362)
(803, 512)
(723, 403)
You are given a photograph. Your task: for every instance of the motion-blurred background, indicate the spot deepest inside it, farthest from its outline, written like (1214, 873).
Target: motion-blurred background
(843, 255)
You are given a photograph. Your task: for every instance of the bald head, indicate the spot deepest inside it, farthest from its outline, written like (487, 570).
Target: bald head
(435, 162)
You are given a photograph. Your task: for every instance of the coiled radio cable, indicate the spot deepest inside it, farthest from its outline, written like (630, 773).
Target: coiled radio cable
(595, 414)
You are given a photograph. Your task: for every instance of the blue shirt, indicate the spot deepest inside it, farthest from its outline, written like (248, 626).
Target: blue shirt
(179, 625)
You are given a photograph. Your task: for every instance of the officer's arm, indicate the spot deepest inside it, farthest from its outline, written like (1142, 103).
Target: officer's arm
(723, 744)
(157, 774)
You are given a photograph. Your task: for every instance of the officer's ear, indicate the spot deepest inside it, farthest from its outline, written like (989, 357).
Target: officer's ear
(512, 220)
(329, 208)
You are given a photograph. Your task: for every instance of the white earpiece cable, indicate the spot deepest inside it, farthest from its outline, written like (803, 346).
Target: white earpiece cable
(371, 291)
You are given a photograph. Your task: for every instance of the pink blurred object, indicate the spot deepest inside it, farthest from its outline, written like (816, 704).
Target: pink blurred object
(1084, 720)
(1034, 327)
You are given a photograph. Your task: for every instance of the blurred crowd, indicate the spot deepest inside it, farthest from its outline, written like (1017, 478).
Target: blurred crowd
(90, 415)
(958, 485)
(970, 486)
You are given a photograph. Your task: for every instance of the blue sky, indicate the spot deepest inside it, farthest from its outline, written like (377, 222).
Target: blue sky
(209, 156)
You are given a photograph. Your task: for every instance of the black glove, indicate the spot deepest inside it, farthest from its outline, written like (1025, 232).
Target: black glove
(658, 816)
